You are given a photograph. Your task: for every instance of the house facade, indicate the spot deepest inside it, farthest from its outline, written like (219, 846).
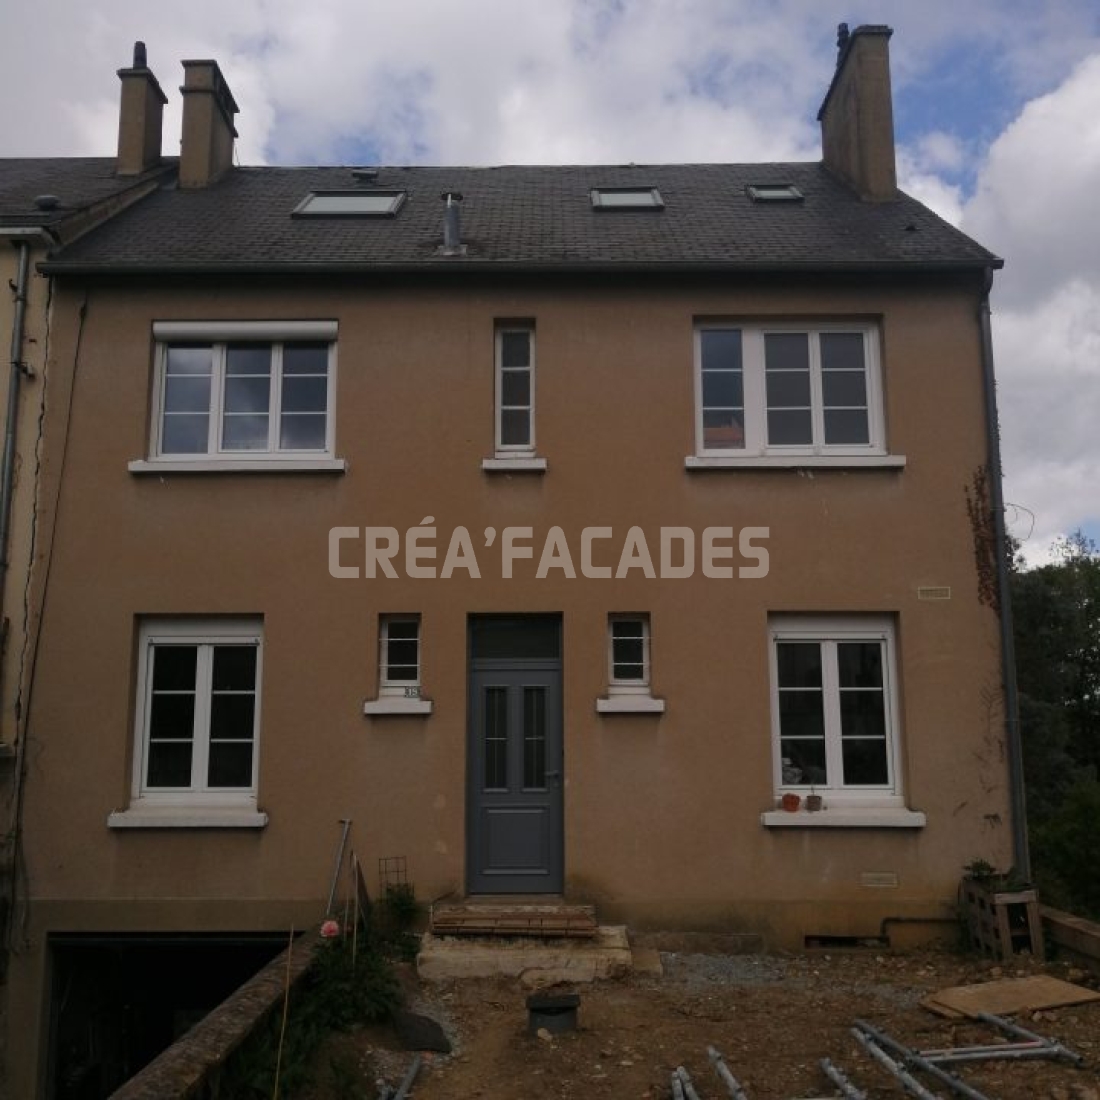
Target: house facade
(597, 532)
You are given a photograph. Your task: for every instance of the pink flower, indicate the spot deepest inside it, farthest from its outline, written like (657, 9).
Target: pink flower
(330, 929)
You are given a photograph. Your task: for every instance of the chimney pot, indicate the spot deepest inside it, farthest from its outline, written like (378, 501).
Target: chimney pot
(857, 117)
(842, 37)
(140, 117)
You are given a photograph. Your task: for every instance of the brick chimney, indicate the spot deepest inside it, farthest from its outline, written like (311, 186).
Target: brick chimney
(857, 117)
(140, 114)
(206, 148)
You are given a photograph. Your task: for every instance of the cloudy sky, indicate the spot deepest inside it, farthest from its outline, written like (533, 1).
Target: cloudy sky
(997, 109)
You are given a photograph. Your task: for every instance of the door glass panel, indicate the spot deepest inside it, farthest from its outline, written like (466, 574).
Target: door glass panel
(531, 638)
(534, 737)
(496, 738)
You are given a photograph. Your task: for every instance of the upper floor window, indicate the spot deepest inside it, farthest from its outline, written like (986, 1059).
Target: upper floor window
(788, 390)
(243, 390)
(515, 390)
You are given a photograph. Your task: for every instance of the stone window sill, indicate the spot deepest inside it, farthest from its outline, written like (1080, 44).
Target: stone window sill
(397, 704)
(629, 704)
(845, 817)
(528, 464)
(187, 817)
(238, 465)
(794, 462)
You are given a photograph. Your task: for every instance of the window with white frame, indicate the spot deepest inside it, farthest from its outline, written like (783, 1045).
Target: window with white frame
(628, 654)
(399, 648)
(198, 710)
(793, 390)
(515, 390)
(246, 390)
(834, 705)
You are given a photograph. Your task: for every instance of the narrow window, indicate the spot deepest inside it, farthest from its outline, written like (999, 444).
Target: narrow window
(628, 642)
(399, 644)
(515, 390)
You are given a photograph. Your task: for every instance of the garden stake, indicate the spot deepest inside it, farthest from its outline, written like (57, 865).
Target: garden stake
(733, 1086)
(414, 1069)
(355, 928)
(286, 1008)
(346, 822)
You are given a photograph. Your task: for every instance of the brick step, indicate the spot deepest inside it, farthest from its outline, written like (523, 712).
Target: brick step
(536, 921)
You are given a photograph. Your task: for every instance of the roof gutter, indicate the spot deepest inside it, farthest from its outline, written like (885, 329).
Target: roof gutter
(1021, 855)
(567, 267)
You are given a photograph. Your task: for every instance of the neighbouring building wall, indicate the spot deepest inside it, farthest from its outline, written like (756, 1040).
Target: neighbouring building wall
(662, 812)
(17, 620)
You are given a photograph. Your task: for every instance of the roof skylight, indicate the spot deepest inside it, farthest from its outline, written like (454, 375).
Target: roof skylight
(774, 192)
(627, 198)
(350, 204)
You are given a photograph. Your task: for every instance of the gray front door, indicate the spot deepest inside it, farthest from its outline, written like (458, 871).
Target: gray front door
(515, 777)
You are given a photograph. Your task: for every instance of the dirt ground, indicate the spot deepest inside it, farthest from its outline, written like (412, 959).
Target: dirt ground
(772, 1017)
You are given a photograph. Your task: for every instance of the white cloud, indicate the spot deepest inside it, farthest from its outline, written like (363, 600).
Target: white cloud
(510, 81)
(1039, 190)
(1035, 203)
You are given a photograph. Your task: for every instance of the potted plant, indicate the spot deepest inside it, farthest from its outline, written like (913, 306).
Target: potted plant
(813, 801)
(790, 802)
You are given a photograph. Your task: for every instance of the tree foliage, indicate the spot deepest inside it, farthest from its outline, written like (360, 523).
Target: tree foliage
(1056, 613)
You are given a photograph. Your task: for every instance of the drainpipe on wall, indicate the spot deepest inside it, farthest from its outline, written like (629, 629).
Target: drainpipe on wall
(11, 421)
(1021, 855)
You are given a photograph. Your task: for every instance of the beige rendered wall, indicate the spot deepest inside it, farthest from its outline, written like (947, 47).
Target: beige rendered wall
(662, 813)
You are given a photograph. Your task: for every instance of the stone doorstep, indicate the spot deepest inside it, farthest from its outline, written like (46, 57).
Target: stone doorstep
(536, 963)
(545, 918)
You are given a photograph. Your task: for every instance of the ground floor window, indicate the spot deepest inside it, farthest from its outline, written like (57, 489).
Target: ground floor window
(834, 709)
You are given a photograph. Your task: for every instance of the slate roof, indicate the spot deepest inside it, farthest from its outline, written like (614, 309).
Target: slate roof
(524, 217)
(78, 182)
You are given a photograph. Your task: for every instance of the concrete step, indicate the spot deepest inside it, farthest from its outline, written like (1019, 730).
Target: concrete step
(537, 963)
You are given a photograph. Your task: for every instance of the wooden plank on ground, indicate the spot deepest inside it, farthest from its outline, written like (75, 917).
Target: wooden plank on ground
(1008, 996)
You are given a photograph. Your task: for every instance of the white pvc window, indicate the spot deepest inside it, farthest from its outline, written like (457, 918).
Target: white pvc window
(788, 390)
(244, 396)
(628, 653)
(399, 655)
(515, 390)
(834, 705)
(198, 710)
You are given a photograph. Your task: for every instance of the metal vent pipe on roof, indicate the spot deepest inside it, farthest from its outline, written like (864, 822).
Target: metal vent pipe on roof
(452, 223)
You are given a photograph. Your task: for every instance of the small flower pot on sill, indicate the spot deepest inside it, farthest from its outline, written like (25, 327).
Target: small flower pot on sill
(813, 803)
(790, 802)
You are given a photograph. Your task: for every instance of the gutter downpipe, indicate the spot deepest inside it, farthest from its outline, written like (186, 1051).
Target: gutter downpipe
(11, 421)
(1020, 852)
